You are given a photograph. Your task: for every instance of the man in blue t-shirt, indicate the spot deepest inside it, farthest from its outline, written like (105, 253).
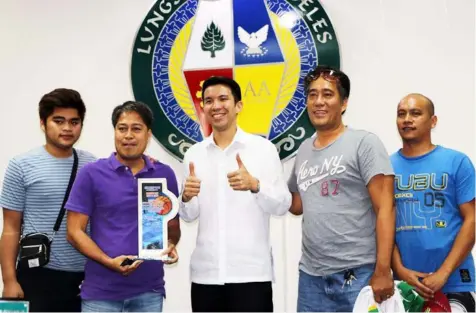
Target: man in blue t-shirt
(434, 197)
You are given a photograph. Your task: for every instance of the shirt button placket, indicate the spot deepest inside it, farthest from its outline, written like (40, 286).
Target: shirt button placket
(221, 203)
(134, 177)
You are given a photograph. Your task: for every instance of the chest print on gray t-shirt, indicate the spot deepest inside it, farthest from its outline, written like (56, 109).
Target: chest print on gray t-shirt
(309, 175)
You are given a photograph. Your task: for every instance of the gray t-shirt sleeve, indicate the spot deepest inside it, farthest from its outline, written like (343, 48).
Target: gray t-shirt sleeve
(373, 158)
(292, 181)
(14, 191)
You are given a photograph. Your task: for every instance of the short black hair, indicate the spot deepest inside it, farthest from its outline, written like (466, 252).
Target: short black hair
(221, 80)
(329, 73)
(61, 98)
(342, 80)
(134, 106)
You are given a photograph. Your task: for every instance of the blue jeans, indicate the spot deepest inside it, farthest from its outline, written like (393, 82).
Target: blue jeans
(332, 293)
(146, 302)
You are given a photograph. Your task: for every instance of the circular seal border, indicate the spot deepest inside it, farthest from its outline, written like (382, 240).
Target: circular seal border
(172, 140)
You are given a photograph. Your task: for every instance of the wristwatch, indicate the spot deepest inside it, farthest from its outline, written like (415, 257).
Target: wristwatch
(257, 188)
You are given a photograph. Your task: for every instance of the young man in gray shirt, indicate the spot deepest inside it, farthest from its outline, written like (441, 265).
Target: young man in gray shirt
(342, 183)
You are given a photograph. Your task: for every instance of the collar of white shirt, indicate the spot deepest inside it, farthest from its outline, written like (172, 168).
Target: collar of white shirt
(240, 137)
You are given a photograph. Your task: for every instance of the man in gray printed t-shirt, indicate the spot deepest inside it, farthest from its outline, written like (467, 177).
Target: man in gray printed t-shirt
(338, 219)
(342, 183)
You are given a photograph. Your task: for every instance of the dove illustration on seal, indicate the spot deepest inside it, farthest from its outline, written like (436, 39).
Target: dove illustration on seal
(254, 40)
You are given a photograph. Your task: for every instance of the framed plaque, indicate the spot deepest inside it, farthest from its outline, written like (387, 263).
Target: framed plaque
(157, 206)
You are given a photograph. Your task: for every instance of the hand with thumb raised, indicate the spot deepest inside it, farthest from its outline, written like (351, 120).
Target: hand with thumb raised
(191, 169)
(238, 160)
(242, 179)
(192, 184)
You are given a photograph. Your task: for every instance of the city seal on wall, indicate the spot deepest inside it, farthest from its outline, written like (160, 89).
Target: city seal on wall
(267, 46)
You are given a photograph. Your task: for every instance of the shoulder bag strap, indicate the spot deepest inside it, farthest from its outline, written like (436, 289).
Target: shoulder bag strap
(68, 190)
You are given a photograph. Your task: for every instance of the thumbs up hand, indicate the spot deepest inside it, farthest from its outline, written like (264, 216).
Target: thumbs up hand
(192, 184)
(242, 179)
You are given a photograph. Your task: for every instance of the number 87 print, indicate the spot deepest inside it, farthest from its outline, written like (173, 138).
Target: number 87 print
(332, 184)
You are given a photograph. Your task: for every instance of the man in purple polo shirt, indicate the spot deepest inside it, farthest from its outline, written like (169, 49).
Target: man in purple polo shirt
(105, 193)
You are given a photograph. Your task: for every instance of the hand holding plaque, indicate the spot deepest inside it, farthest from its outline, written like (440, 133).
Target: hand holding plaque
(192, 185)
(120, 265)
(171, 254)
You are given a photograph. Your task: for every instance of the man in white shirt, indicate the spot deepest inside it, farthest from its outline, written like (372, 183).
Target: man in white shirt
(234, 182)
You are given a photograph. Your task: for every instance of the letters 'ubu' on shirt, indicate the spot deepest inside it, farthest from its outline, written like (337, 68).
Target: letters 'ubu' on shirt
(428, 192)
